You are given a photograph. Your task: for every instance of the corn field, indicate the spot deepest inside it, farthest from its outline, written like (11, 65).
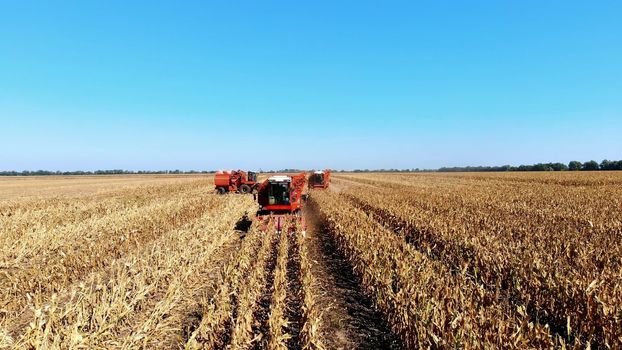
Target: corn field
(488, 260)
(392, 261)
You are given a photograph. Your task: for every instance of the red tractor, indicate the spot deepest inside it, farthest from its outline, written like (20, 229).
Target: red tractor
(235, 181)
(319, 179)
(282, 193)
(280, 199)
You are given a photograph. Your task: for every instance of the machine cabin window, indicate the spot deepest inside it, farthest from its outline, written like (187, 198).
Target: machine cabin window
(252, 176)
(278, 193)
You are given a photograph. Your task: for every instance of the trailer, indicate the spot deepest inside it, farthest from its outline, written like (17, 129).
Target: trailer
(237, 181)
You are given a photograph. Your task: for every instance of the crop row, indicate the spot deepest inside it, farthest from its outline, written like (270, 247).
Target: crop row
(45, 264)
(62, 201)
(565, 279)
(231, 304)
(142, 299)
(424, 302)
(264, 297)
(277, 321)
(48, 214)
(311, 337)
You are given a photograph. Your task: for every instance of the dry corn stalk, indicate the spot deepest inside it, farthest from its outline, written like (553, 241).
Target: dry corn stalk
(312, 312)
(277, 322)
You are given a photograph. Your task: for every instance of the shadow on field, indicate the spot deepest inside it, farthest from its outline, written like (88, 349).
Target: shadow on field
(244, 224)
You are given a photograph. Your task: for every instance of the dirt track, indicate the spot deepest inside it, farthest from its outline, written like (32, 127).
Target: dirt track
(350, 318)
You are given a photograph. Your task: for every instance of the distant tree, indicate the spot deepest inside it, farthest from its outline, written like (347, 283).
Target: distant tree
(575, 165)
(559, 166)
(611, 165)
(591, 165)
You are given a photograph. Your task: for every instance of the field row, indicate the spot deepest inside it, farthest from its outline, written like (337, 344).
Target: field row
(424, 302)
(517, 242)
(124, 277)
(264, 297)
(156, 266)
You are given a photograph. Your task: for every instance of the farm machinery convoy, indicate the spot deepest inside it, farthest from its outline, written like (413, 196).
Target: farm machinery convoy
(280, 197)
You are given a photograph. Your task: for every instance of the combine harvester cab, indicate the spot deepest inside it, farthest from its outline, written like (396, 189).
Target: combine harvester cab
(281, 198)
(319, 179)
(235, 181)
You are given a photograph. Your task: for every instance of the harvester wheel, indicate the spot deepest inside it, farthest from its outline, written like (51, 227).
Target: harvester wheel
(244, 188)
(221, 190)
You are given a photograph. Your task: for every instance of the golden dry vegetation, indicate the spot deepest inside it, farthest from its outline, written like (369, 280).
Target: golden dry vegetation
(142, 262)
(522, 260)
(513, 260)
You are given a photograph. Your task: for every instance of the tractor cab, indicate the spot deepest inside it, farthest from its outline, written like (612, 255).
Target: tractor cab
(251, 176)
(281, 193)
(278, 190)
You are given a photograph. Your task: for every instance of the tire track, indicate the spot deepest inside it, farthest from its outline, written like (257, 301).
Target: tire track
(294, 294)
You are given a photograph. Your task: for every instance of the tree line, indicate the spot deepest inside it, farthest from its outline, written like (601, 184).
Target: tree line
(571, 166)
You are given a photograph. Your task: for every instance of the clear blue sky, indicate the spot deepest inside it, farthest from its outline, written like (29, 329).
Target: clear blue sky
(339, 84)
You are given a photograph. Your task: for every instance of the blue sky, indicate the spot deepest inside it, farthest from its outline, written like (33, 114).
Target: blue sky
(339, 84)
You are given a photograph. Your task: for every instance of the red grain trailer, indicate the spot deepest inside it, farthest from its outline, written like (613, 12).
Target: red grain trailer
(235, 181)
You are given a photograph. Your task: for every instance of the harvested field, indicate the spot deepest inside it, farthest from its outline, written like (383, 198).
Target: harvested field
(38, 187)
(387, 261)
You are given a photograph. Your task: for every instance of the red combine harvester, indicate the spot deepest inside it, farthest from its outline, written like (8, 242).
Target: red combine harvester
(280, 198)
(319, 179)
(235, 181)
